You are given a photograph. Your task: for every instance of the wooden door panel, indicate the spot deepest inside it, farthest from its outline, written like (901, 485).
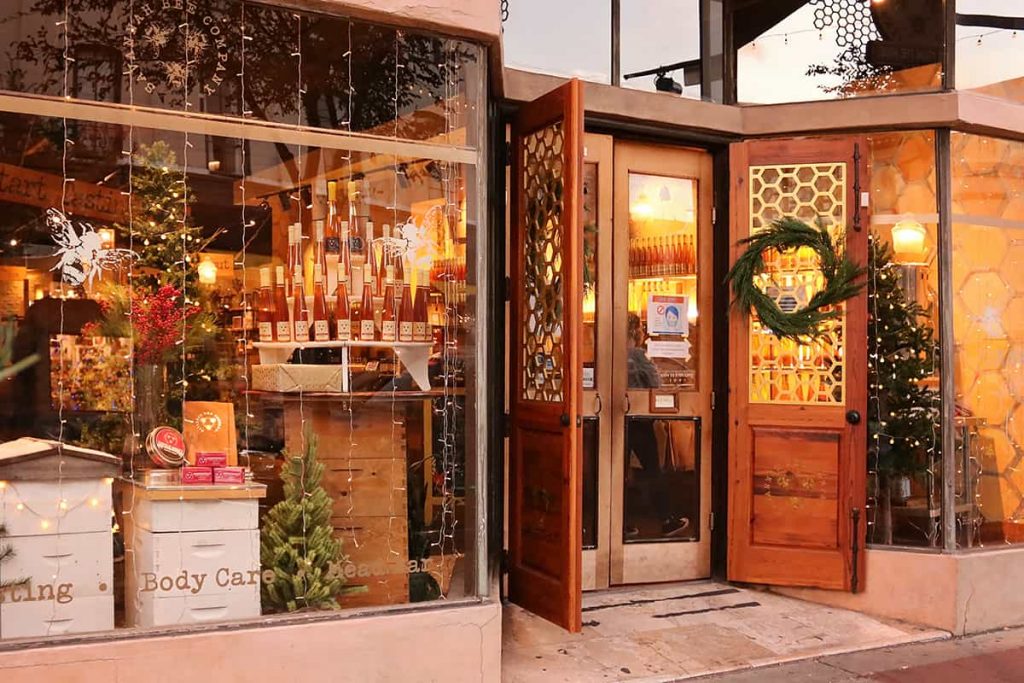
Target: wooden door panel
(797, 465)
(545, 472)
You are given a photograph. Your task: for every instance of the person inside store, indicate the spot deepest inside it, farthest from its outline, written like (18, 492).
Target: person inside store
(642, 441)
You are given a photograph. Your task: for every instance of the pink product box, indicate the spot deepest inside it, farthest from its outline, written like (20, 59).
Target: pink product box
(211, 459)
(229, 475)
(196, 475)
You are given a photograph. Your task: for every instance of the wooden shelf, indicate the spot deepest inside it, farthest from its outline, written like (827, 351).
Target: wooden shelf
(189, 492)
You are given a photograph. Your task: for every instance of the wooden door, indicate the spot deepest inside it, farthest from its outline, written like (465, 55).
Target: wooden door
(545, 477)
(596, 351)
(798, 445)
(661, 400)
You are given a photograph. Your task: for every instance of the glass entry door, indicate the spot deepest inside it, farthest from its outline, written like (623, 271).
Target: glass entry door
(646, 351)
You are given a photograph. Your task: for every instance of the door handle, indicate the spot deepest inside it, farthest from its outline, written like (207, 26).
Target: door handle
(600, 404)
(565, 419)
(853, 417)
(629, 406)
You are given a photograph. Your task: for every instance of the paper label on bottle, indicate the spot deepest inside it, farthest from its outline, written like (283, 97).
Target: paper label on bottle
(405, 331)
(387, 330)
(284, 331)
(344, 329)
(366, 330)
(301, 330)
(419, 331)
(266, 331)
(332, 245)
(321, 330)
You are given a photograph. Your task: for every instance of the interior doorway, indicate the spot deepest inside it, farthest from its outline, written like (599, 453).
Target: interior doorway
(647, 363)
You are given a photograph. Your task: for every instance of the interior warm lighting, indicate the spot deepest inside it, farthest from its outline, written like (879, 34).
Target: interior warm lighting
(589, 304)
(106, 237)
(908, 243)
(642, 207)
(39, 293)
(207, 272)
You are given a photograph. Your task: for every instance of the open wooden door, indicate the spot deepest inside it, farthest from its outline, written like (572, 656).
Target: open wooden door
(545, 473)
(798, 445)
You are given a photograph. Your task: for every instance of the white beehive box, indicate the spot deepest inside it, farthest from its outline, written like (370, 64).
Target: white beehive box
(193, 554)
(55, 502)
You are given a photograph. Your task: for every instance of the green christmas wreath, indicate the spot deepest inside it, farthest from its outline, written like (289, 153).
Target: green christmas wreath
(784, 235)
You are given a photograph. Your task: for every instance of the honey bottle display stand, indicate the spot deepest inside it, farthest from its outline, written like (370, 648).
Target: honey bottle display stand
(274, 362)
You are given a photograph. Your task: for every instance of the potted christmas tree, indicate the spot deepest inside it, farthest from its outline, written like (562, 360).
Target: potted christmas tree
(301, 558)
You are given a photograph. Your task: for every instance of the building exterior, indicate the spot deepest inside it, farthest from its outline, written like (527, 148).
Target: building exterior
(540, 385)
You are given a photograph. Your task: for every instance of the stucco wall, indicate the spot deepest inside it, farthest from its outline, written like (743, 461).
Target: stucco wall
(476, 18)
(962, 593)
(450, 645)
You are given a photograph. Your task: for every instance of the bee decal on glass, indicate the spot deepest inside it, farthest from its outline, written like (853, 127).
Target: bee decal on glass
(82, 256)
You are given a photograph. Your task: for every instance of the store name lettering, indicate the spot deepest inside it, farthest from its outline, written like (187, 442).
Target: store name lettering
(194, 583)
(31, 592)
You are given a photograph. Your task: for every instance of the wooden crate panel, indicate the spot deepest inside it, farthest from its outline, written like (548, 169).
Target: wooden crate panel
(375, 544)
(366, 487)
(366, 433)
(390, 589)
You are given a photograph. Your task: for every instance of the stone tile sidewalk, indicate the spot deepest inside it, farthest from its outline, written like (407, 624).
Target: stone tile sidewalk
(674, 632)
(996, 657)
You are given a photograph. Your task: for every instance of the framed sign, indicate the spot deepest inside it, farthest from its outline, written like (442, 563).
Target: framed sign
(662, 401)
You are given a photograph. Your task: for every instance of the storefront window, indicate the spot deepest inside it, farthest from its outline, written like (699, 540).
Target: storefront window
(988, 48)
(569, 38)
(988, 326)
(905, 435)
(818, 49)
(663, 37)
(238, 358)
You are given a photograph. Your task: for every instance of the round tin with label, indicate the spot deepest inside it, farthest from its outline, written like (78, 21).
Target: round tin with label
(166, 447)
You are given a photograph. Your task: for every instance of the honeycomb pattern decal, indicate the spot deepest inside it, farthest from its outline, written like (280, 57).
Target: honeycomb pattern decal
(543, 359)
(783, 371)
(988, 315)
(852, 19)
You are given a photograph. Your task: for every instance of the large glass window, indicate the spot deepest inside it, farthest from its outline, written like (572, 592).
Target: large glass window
(905, 435)
(569, 38)
(238, 360)
(988, 47)
(663, 37)
(820, 49)
(988, 326)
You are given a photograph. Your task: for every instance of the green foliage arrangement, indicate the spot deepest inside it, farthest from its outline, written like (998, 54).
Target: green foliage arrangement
(784, 235)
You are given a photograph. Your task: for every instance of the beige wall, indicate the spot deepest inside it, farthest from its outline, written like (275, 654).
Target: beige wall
(963, 593)
(480, 19)
(449, 644)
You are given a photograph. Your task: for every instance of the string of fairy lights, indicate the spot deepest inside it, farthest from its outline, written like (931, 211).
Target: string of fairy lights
(444, 405)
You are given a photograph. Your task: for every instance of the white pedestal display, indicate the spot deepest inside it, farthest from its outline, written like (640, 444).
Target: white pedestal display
(56, 508)
(192, 554)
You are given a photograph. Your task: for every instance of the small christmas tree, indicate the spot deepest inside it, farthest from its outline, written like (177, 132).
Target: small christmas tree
(903, 403)
(301, 558)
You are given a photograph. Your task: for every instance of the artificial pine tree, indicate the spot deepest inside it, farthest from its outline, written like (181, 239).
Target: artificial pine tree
(6, 552)
(301, 559)
(903, 403)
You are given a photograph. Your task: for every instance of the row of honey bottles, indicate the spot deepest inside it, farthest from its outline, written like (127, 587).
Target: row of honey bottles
(671, 255)
(397, 315)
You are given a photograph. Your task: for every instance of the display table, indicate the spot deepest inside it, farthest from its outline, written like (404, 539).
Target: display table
(55, 502)
(192, 553)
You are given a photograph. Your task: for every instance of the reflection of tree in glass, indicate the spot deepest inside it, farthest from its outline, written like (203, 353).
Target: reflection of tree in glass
(158, 39)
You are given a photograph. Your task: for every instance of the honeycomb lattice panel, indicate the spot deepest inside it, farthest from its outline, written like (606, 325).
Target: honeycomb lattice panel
(543, 353)
(783, 371)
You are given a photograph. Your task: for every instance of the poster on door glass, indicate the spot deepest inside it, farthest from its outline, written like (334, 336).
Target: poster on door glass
(666, 314)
